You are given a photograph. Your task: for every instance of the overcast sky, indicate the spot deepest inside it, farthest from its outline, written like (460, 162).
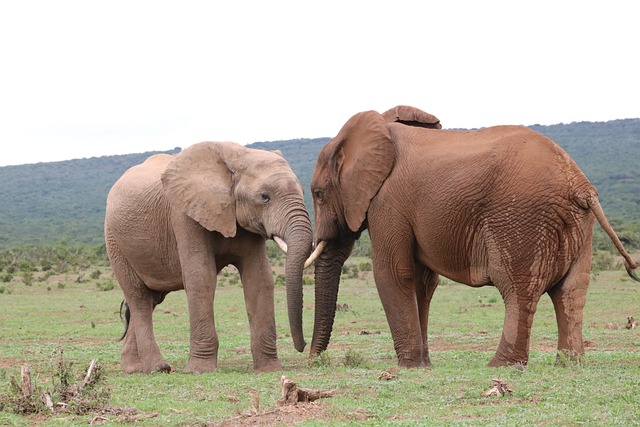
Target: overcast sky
(91, 78)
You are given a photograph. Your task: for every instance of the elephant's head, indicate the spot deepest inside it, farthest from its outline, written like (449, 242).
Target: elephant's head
(350, 170)
(223, 186)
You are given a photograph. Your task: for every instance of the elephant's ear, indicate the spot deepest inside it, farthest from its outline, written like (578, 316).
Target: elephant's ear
(363, 161)
(411, 116)
(199, 183)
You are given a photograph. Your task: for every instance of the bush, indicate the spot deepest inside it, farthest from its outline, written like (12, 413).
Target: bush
(603, 260)
(105, 285)
(63, 393)
(353, 359)
(27, 278)
(350, 271)
(365, 266)
(322, 360)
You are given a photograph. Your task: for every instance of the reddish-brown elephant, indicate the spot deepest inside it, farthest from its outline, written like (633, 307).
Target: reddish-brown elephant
(173, 222)
(502, 206)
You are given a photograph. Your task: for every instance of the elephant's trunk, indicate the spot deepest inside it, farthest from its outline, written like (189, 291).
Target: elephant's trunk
(298, 237)
(328, 268)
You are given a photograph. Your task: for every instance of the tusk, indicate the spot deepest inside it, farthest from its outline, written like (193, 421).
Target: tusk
(280, 243)
(316, 253)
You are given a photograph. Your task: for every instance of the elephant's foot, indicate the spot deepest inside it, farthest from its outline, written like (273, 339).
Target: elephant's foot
(163, 367)
(131, 368)
(414, 363)
(270, 365)
(200, 366)
(414, 359)
(566, 357)
(499, 360)
(137, 368)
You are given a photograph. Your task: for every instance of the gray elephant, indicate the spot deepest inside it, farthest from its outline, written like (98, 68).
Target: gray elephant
(502, 206)
(173, 222)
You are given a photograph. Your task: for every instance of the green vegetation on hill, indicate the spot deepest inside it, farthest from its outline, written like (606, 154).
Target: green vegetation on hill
(46, 203)
(608, 154)
(49, 203)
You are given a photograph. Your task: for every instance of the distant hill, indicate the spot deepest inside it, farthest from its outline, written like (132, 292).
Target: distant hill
(47, 203)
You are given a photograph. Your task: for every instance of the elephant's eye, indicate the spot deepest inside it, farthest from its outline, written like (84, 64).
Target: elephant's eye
(265, 198)
(319, 195)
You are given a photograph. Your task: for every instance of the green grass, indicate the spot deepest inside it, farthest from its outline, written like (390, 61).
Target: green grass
(465, 325)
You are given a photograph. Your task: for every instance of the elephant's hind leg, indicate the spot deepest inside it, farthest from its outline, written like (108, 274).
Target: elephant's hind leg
(129, 358)
(427, 282)
(140, 352)
(569, 297)
(521, 300)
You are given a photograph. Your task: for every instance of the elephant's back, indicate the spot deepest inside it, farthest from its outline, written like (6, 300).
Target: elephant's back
(137, 220)
(499, 152)
(139, 188)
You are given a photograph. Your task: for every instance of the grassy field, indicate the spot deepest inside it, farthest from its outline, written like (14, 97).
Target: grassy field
(81, 319)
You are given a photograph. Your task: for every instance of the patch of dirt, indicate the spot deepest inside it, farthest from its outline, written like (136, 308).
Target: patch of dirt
(283, 415)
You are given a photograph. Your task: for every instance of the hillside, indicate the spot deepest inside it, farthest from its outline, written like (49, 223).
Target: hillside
(46, 203)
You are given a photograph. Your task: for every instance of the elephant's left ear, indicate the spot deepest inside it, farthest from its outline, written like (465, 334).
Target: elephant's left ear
(364, 158)
(199, 183)
(411, 116)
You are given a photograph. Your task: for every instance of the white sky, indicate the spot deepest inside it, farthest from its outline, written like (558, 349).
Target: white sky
(90, 78)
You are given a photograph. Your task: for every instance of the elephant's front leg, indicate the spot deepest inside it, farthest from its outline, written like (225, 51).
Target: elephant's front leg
(397, 278)
(203, 347)
(258, 285)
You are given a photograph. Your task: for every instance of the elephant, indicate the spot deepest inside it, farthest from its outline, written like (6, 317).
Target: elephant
(174, 221)
(501, 206)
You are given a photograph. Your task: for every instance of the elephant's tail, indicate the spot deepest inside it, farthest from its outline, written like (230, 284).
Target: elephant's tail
(629, 264)
(125, 318)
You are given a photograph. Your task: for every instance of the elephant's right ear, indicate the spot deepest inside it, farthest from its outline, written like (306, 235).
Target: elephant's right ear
(411, 116)
(199, 183)
(363, 160)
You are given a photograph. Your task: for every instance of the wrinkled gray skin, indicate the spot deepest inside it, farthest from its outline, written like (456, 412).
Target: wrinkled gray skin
(173, 222)
(501, 206)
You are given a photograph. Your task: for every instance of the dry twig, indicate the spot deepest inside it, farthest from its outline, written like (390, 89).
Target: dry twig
(499, 388)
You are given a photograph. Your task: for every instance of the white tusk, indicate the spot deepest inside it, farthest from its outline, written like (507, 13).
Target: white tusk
(280, 243)
(316, 253)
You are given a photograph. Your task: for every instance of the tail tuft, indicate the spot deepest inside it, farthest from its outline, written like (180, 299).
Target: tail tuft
(126, 318)
(631, 271)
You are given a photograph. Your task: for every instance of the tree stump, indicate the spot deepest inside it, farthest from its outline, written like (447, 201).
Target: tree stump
(26, 387)
(292, 394)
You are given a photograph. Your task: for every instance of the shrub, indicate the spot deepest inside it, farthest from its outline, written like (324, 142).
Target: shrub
(365, 266)
(350, 271)
(60, 390)
(27, 278)
(105, 285)
(603, 260)
(322, 360)
(353, 359)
